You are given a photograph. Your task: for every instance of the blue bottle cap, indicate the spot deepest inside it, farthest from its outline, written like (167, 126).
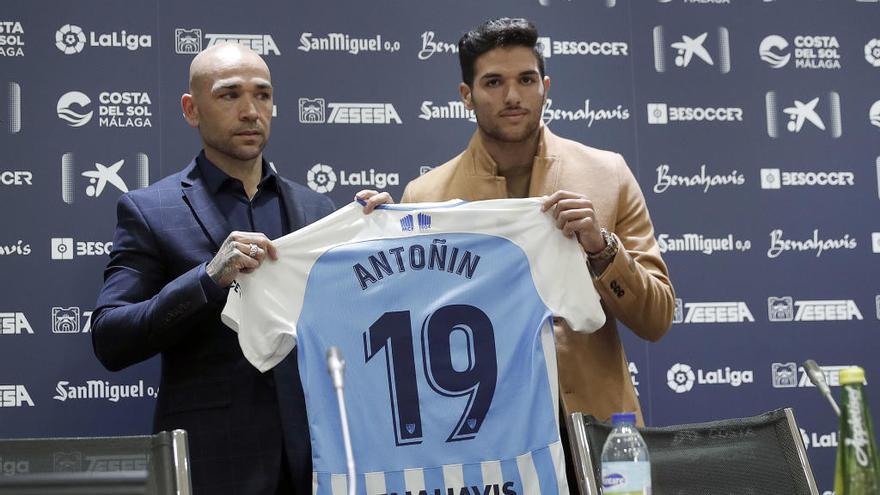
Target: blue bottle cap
(624, 417)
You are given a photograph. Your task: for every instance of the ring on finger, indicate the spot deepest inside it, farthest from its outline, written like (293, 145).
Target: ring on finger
(252, 252)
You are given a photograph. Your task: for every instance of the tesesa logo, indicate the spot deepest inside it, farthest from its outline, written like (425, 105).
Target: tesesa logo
(313, 111)
(785, 308)
(711, 312)
(71, 39)
(14, 323)
(800, 112)
(790, 375)
(64, 248)
(810, 52)
(188, 41)
(70, 320)
(15, 396)
(693, 47)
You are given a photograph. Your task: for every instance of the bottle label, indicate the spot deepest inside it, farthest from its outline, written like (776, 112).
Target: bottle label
(626, 478)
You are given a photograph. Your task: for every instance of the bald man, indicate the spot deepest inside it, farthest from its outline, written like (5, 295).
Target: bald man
(178, 246)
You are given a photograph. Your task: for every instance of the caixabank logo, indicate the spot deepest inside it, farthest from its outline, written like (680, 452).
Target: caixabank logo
(13, 108)
(681, 377)
(119, 109)
(322, 178)
(11, 39)
(711, 312)
(786, 308)
(809, 115)
(319, 111)
(90, 179)
(189, 41)
(700, 48)
(346, 43)
(804, 52)
(71, 39)
(668, 179)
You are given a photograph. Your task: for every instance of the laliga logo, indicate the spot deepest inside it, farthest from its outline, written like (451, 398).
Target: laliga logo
(872, 52)
(321, 178)
(767, 47)
(874, 114)
(70, 39)
(680, 378)
(67, 114)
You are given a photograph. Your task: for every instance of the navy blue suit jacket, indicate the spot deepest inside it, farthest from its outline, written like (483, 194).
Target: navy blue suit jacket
(152, 303)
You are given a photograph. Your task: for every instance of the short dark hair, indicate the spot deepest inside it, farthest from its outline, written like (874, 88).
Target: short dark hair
(495, 33)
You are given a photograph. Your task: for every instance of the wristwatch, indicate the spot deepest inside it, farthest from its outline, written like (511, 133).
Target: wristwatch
(610, 250)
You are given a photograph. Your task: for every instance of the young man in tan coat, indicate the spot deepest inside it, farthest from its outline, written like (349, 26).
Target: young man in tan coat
(591, 192)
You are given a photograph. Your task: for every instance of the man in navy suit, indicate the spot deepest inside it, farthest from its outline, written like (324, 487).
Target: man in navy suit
(178, 246)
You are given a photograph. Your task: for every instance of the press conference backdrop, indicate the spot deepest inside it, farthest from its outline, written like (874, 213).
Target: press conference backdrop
(752, 126)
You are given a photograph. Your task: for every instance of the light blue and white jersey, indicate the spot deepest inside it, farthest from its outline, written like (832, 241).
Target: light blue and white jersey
(442, 312)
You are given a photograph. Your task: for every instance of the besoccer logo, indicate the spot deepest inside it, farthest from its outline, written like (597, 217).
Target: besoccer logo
(658, 113)
(874, 114)
(872, 52)
(771, 51)
(321, 178)
(771, 178)
(690, 48)
(65, 110)
(311, 111)
(680, 378)
(70, 39)
(187, 41)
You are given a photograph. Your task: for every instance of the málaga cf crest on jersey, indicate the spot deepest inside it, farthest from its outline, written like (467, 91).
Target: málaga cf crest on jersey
(443, 313)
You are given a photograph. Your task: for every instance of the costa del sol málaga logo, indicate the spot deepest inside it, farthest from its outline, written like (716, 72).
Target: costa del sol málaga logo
(70, 39)
(680, 378)
(321, 178)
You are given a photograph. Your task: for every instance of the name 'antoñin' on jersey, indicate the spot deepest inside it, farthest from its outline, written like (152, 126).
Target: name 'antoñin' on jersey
(443, 312)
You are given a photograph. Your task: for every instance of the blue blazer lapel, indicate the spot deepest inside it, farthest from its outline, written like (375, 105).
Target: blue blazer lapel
(202, 205)
(295, 215)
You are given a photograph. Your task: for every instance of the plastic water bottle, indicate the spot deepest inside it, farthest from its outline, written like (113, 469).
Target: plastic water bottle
(626, 468)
